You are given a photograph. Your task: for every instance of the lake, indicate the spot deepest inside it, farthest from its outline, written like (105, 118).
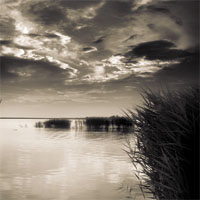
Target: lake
(59, 164)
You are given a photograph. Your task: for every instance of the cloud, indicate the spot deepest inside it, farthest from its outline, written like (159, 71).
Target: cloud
(72, 71)
(161, 10)
(185, 72)
(12, 51)
(157, 50)
(89, 49)
(140, 3)
(130, 37)
(79, 4)
(134, 29)
(51, 35)
(113, 14)
(46, 13)
(155, 21)
(61, 13)
(185, 15)
(86, 13)
(165, 32)
(41, 46)
(43, 40)
(79, 47)
(99, 40)
(61, 97)
(7, 28)
(35, 73)
(117, 68)
(5, 42)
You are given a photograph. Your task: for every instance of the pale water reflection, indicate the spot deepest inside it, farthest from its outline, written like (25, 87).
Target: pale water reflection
(53, 164)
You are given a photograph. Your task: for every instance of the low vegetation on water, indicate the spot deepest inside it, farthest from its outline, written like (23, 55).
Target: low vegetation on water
(39, 125)
(91, 123)
(108, 123)
(167, 138)
(54, 123)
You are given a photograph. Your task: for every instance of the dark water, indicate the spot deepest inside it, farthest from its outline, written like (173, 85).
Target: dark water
(53, 164)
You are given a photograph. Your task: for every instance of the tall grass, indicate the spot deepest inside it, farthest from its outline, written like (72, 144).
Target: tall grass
(167, 141)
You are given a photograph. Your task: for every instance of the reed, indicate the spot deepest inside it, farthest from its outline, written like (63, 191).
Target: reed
(57, 123)
(108, 123)
(97, 123)
(39, 125)
(167, 144)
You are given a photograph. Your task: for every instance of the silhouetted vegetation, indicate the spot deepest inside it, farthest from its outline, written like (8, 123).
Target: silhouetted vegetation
(39, 125)
(108, 123)
(167, 136)
(121, 122)
(57, 123)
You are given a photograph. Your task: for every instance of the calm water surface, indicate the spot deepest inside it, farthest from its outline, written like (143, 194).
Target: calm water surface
(53, 164)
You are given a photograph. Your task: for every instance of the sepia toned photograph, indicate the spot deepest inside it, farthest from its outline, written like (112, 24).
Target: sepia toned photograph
(99, 99)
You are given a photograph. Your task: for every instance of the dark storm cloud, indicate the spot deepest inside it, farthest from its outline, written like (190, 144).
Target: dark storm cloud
(157, 50)
(5, 42)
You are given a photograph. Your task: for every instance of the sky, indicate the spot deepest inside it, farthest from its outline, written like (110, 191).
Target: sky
(93, 58)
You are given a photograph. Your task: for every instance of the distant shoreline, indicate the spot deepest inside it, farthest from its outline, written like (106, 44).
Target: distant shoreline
(42, 117)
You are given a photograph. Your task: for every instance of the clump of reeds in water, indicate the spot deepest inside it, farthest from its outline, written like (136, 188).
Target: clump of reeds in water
(57, 123)
(39, 125)
(97, 123)
(108, 123)
(119, 123)
(167, 136)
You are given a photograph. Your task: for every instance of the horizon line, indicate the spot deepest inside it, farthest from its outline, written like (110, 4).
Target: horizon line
(42, 117)
(53, 117)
